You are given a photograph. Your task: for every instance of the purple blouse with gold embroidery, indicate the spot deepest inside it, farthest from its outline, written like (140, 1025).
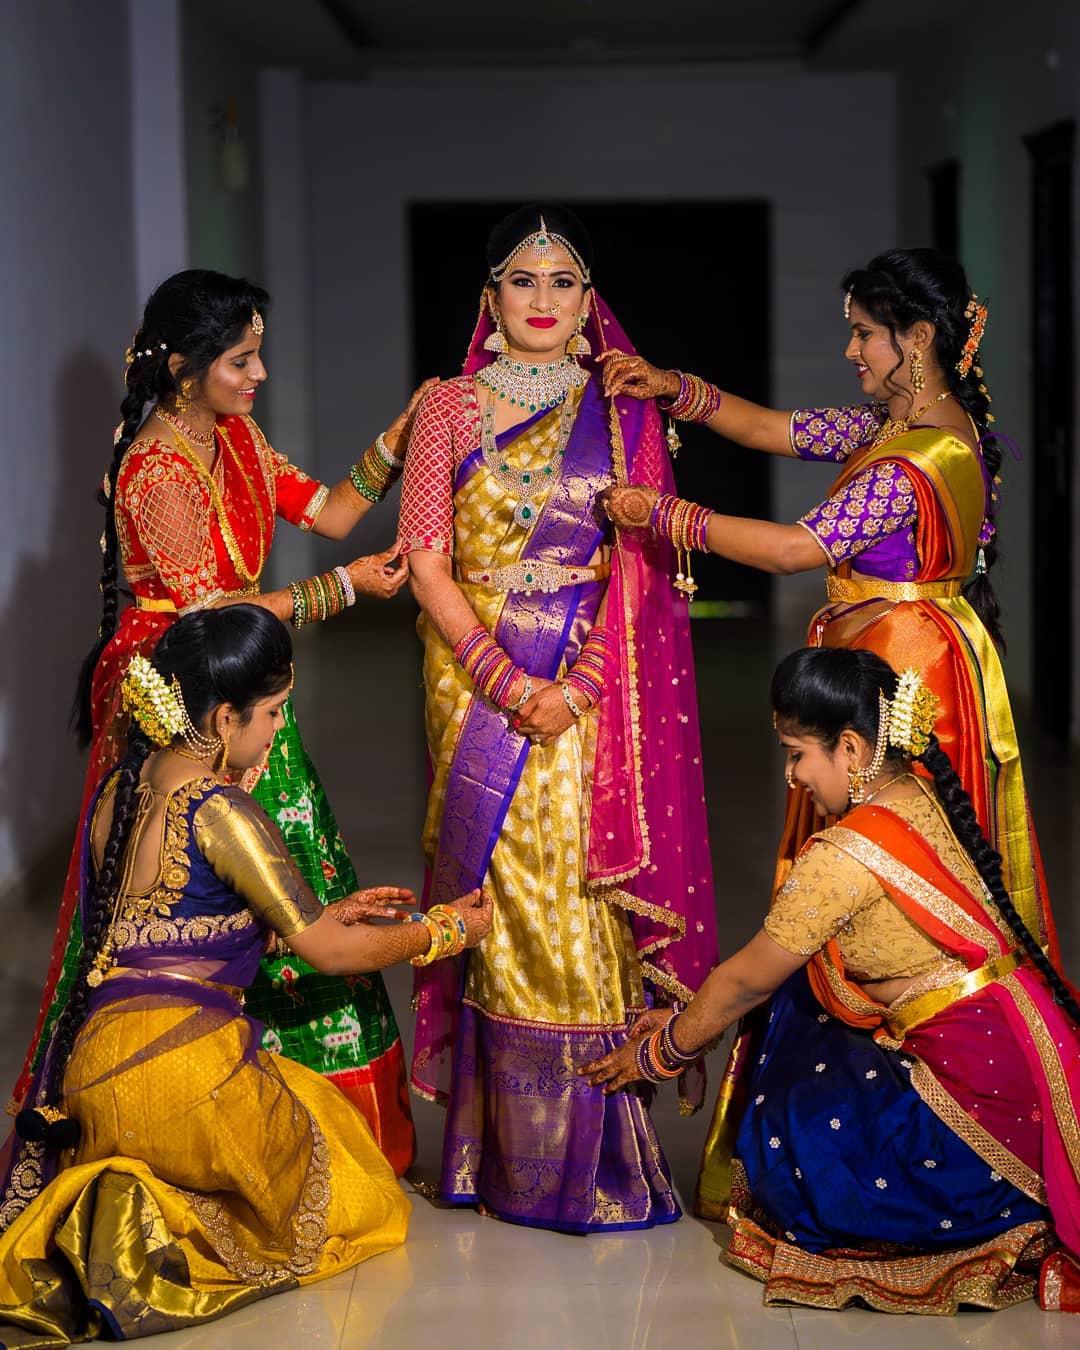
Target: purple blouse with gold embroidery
(834, 433)
(873, 518)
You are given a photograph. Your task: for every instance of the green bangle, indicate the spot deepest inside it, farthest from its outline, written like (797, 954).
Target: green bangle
(361, 484)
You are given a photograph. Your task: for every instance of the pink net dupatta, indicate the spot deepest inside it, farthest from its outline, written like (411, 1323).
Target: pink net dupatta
(648, 837)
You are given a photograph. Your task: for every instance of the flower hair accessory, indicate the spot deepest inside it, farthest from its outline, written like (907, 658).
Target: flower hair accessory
(976, 314)
(912, 714)
(156, 707)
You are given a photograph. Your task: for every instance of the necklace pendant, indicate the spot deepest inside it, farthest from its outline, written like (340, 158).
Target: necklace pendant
(525, 514)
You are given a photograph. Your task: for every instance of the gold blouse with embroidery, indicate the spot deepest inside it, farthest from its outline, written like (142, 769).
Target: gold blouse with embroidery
(239, 841)
(829, 894)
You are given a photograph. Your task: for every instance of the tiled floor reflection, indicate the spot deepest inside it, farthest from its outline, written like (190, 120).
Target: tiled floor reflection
(466, 1283)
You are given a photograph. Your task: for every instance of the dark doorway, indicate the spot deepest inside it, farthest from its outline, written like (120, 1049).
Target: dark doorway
(689, 282)
(945, 207)
(1053, 368)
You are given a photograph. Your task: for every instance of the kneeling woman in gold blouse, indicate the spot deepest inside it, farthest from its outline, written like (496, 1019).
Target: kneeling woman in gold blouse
(904, 1116)
(169, 1170)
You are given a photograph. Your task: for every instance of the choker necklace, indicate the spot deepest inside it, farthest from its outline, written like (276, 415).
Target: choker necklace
(525, 484)
(203, 439)
(896, 426)
(532, 387)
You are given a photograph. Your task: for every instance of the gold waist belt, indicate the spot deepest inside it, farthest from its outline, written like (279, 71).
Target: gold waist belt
(166, 606)
(928, 1005)
(234, 991)
(528, 577)
(870, 588)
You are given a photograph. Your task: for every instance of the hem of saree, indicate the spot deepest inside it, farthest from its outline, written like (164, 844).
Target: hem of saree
(988, 1275)
(1059, 1284)
(577, 1229)
(536, 1144)
(377, 1090)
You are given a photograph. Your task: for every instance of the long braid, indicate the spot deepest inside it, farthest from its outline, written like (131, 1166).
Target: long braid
(144, 378)
(99, 912)
(987, 860)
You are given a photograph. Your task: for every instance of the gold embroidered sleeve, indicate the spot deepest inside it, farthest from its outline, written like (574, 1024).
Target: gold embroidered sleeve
(245, 849)
(824, 889)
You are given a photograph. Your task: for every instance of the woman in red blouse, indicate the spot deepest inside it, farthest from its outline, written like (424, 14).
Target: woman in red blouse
(190, 503)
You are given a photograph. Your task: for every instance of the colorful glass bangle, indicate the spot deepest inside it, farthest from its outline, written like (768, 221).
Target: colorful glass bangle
(362, 486)
(696, 401)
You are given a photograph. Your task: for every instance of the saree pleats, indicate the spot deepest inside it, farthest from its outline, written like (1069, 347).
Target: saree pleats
(205, 1178)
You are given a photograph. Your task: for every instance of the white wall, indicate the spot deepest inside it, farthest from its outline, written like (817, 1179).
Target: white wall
(66, 249)
(777, 133)
(973, 93)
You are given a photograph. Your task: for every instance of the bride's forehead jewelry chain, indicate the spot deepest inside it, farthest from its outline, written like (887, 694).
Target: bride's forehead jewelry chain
(541, 243)
(533, 387)
(258, 324)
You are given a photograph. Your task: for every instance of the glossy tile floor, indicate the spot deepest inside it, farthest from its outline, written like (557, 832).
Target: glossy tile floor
(467, 1283)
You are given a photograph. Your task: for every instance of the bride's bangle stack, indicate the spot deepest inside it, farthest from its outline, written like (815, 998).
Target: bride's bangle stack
(696, 401)
(686, 525)
(658, 1058)
(447, 930)
(488, 666)
(321, 597)
(586, 680)
(376, 473)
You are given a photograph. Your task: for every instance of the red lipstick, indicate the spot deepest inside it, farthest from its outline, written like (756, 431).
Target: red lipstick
(542, 323)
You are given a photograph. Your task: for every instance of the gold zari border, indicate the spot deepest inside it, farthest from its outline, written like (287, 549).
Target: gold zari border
(890, 869)
(1064, 1111)
(949, 1111)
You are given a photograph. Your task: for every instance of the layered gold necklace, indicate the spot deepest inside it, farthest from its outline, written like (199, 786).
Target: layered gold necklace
(896, 426)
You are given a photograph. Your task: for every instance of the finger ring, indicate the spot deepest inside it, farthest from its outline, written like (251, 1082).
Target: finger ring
(515, 721)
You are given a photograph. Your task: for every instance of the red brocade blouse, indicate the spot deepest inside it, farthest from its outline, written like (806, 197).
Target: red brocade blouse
(191, 536)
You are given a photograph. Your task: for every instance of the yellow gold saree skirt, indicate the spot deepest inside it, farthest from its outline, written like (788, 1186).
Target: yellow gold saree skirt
(208, 1175)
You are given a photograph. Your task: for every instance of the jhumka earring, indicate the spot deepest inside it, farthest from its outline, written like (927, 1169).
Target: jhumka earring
(857, 786)
(918, 379)
(579, 344)
(183, 396)
(496, 342)
(789, 778)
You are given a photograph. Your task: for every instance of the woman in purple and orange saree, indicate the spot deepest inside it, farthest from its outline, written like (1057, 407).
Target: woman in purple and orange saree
(906, 533)
(909, 1137)
(565, 754)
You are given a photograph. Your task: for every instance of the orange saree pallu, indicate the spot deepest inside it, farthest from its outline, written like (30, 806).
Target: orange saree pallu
(189, 538)
(924, 621)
